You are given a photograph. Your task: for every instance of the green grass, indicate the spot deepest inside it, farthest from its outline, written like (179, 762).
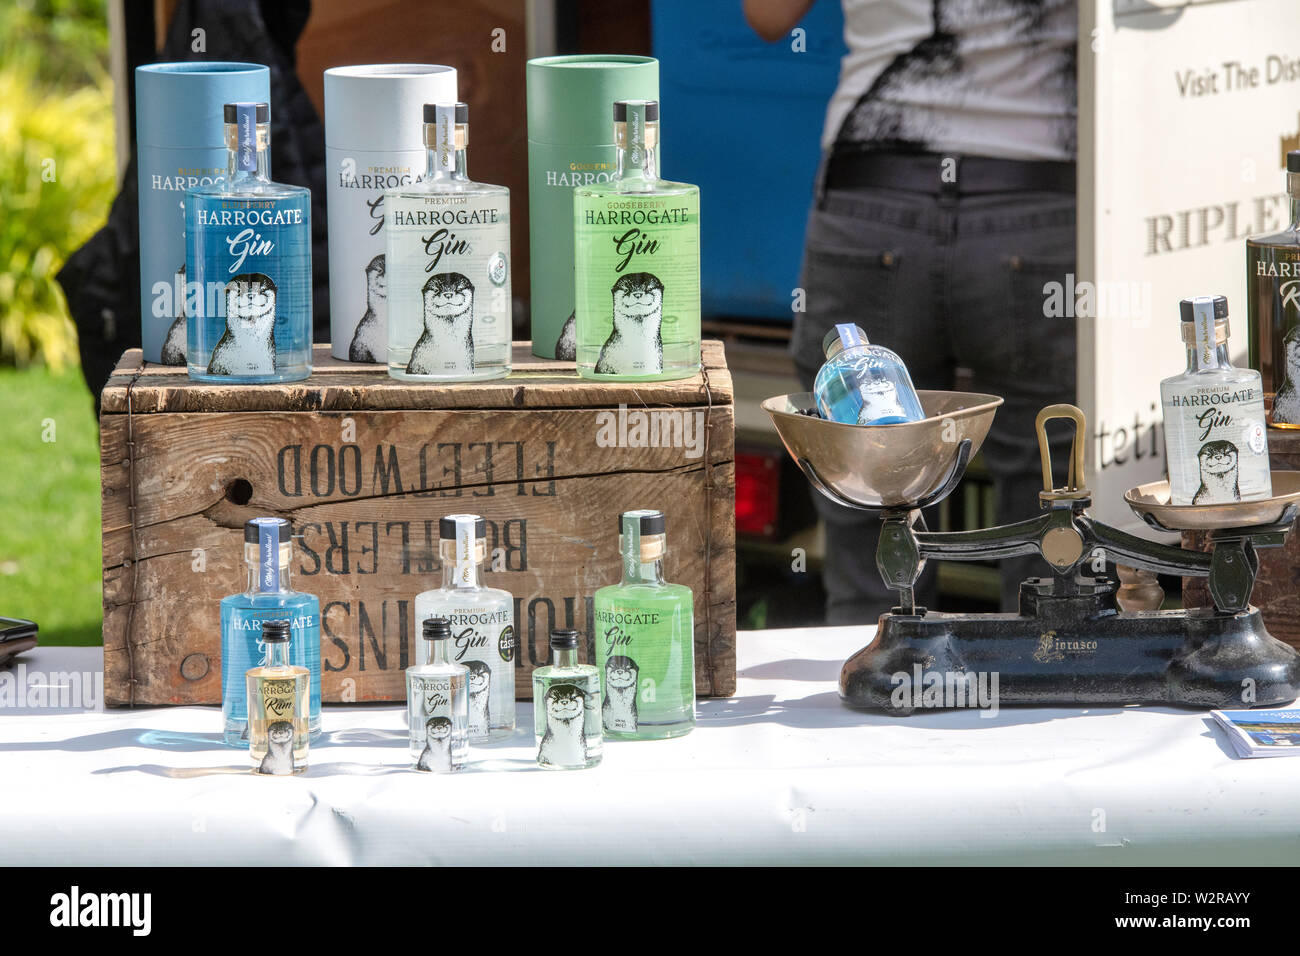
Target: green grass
(49, 504)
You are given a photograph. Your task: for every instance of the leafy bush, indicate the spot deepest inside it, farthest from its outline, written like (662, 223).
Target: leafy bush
(57, 166)
(65, 41)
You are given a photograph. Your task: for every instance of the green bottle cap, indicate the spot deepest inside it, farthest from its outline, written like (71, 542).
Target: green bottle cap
(570, 97)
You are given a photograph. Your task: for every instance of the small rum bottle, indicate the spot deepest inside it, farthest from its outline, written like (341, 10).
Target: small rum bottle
(1216, 441)
(277, 694)
(863, 384)
(269, 595)
(1273, 307)
(437, 704)
(637, 262)
(448, 268)
(645, 640)
(482, 621)
(566, 708)
(248, 258)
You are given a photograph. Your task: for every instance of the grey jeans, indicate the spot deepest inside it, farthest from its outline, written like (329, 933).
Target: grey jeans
(944, 281)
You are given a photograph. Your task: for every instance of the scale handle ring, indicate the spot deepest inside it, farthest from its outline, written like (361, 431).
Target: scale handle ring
(1074, 486)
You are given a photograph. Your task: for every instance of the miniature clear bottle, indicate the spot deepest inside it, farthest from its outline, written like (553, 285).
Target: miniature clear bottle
(437, 704)
(863, 384)
(448, 264)
(1216, 440)
(268, 553)
(645, 640)
(637, 262)
(482, 623)
(248, 258)
(566, 708)
(278, 692)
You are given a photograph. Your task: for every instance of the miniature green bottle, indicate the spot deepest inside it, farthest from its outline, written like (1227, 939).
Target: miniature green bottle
(645, 648)
(566, 708)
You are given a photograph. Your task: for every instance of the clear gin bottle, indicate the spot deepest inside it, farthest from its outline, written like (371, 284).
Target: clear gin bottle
(437, 704)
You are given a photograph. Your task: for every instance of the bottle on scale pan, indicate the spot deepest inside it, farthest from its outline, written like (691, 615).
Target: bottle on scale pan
(1215, 437)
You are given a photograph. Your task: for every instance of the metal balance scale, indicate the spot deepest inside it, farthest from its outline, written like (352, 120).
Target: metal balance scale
(1074, 640)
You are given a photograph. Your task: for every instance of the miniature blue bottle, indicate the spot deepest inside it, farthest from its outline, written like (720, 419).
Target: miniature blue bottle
(248, 260)
(863, 384)
(268, 552)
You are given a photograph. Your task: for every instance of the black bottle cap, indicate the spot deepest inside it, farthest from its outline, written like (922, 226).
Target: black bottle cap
(431, 112)
(651, 111)
(230, 112)
(437, 629)
(652, 522)
(562, 640)
(447, 527)
(252, 525)
(1220, 308)
(1293, 161)
(275, 632)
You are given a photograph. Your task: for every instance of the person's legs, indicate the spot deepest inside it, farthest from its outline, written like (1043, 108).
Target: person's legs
(870, 258)
(1009, 246)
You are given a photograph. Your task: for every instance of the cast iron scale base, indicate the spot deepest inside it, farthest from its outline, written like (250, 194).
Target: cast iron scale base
(1071, 642)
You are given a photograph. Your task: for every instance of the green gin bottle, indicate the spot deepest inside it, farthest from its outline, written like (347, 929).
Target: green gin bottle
(636, 262)
(566, 708)
(645, 646)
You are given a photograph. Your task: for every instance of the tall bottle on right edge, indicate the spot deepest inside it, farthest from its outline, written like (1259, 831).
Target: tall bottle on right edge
(636, 262)
(1216, 441)
(645, 639)
(1273, 307)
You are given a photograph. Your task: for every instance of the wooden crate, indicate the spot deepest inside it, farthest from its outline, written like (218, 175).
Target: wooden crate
(364, 466)
(1277, 588)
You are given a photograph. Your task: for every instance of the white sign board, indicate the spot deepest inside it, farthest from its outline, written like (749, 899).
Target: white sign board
(1183, 110)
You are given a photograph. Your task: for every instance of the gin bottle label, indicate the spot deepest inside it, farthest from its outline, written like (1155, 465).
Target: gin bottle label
(646, 667)
(449, 282)
(483, 640)
(1273, 303)
(432, 722)
(242, 648)
(637, 266)
(1218, 449)
(249, 302)
(567, 714)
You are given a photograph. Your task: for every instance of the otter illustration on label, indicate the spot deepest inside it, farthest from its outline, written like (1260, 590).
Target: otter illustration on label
(371, 337)
(1218, 467)
(480, 693)
(635, 345)
(447, 343)
(248, 345)
(566, 347)
(564, 743)
(1286, 402)
(437, 745)
(619, 708)
(279, 749)
(173, 350)
(879, 400)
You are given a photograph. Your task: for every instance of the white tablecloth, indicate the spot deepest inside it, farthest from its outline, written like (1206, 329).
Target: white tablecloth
(780, 772)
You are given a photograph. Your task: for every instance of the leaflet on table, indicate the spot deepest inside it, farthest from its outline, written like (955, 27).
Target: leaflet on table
(1261, 733)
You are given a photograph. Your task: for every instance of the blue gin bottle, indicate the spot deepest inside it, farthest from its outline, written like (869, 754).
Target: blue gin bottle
(863, 384)
(248, 259)
(268, 552)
